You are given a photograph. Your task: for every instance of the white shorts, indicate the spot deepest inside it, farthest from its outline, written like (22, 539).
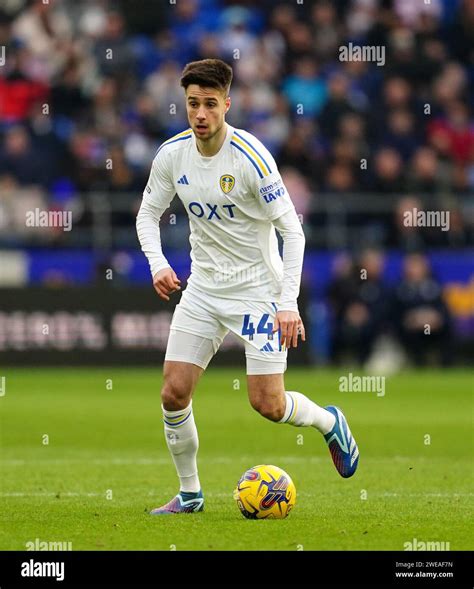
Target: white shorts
(200, 323)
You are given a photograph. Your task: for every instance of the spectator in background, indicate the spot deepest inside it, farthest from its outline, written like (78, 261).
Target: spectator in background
(340, 179)
(407, 236)
(400, 133)
(237, 36)
(18, 91)
(20, 160)
(352, 128)
(68, 99)
(305, 90)
(283, 19)
(337, 105)
(45, 29)
(388, 176)
(113, 52)
(88, 152)
(187, 26)
(297, 185)
(427, 175)
(396, 94)
(453, 135)
(8, 193)
(461, 34)
(15, 202)
(420, 317)
(163, 88)
(450, 85)
(327, 29)
(106, 119)
(120, 177)
(299, 44)
(298, 154)
(359, 303)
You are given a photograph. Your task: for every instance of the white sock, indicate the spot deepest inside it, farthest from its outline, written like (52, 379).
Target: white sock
(301, 411)
(183, 443)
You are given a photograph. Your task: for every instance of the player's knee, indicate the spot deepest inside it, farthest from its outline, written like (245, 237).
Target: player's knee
(268, 408)
(174, 396)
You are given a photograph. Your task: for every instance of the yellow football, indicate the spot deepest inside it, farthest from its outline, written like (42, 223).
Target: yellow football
(265, 492)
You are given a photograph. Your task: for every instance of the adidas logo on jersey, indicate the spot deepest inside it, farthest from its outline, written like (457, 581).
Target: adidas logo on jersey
(266, 348)
(183, 180)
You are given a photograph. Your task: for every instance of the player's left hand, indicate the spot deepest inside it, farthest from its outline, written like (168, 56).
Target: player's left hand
(291, 327)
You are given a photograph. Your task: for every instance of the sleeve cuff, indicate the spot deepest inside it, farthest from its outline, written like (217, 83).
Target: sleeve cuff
(157, 266)
(285, 306)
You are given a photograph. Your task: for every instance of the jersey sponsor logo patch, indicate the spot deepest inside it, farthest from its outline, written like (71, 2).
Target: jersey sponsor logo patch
(148, 189)
(271, 187)
(273, 195)
(227, 183)
(211, 211)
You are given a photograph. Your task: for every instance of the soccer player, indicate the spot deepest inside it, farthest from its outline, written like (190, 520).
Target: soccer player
(235, 198)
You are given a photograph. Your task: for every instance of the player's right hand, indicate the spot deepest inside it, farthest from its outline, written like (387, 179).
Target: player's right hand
(166, 282)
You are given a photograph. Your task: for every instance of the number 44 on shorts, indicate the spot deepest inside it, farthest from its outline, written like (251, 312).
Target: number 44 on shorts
(264, 326)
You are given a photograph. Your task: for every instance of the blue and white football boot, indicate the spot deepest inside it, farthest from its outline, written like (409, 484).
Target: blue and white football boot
(182, 503)
(343, 447)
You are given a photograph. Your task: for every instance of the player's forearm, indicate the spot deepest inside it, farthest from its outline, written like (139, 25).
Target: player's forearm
(289, 227)
(148, 231)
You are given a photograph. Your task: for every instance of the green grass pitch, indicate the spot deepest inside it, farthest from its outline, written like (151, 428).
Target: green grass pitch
(106, 464)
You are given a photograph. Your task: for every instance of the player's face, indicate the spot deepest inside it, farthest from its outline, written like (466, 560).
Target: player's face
(206, 109)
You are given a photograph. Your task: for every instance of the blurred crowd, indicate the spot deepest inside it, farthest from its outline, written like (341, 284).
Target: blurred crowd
(90, 88)
(364, 308)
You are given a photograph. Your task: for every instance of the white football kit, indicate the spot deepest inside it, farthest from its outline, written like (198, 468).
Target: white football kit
(234, 201)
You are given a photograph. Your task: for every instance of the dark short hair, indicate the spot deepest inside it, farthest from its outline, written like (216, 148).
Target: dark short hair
(208, 73)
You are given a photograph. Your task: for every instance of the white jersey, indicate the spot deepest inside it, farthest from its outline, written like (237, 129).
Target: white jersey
(231, 200)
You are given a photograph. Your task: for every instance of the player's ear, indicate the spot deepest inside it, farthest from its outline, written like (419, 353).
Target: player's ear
(228, 103)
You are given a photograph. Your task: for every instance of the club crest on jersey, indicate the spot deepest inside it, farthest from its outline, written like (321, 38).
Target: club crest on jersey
(227, 183)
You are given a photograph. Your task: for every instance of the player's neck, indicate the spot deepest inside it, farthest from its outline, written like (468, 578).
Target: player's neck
(213, 146)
